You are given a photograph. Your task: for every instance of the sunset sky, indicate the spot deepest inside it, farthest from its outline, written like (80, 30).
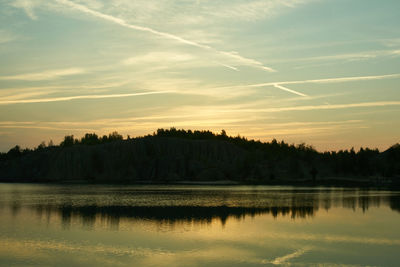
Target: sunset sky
(323, 72)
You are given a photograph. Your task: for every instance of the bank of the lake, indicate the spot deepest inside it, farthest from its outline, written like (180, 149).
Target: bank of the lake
(172, 156)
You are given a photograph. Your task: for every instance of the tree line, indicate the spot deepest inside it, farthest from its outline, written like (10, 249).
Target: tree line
(274, 154)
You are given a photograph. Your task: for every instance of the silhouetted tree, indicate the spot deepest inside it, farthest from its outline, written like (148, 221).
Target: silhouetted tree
(90, 139)
(41, 146)
(115, 136)
(235, 157)
(68, 141)
(14, 152)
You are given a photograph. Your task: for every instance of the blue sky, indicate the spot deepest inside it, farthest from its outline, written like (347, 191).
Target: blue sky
(324, 72)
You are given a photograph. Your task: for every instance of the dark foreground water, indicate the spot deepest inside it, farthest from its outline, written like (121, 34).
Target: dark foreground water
(86, 225)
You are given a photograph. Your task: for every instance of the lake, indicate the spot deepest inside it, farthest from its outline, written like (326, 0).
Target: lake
(102, 225)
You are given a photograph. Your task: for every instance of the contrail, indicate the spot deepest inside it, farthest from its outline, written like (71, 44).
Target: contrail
(329, 80)
(228, 66)
(121, 22)
(68, 98)
(45, 75)
(288, 90)
(326, 107)
(317, 81)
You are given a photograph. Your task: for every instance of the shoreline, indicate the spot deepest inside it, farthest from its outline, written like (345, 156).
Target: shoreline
(329, 182)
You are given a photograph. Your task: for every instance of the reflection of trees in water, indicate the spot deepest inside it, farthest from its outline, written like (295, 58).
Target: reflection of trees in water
(112, 215)
(174, 214)
(394, 203)
(277, 203)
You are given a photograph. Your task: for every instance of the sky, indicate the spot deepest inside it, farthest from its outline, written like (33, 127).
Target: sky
(321, 72)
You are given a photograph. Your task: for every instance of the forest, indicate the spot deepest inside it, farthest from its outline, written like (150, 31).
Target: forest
(179, 156)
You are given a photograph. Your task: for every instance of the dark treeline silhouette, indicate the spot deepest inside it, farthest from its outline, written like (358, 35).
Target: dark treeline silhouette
(170, 155)
(91, 139)
(69, 140)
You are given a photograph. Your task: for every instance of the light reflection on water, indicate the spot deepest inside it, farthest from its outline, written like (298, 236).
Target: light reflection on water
(81, 225)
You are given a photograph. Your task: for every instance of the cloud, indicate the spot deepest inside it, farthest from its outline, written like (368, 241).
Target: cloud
(43, 128)
(308, 132)
(68, 98)
(251, 10)
(329, 80)
(245, 61)
(317, 81)
(45, 75)
(348, 57)
(121, 22)
(168, 60)
(288, 90)
(280, 84)
(198, 118)
(159, 57)
(28, 6)
(326, 107)
(28, 92)
(228, 66)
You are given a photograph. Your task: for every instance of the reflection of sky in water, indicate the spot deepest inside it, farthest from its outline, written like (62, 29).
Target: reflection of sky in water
(197, 226)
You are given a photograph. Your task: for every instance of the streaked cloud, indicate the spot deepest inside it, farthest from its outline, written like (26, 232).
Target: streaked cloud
(27, 92)
(326, 107)
(201, 12)
(228, 66)
(98, 49)
(159, 57)
(69, 98)
(320, 81)
(232, 123)
(254, 10)
(159, 60)
(232, 55)
(288, 90)
(28, 6)
(348, 57)
(45, 75)
(280, 84)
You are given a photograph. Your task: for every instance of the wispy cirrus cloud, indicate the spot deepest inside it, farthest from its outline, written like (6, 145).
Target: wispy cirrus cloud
(327, 107)
(204, 12)
(27, 92)
(253, 10)
(330, 80)
(280, 84)
(232, 55)
(168, 60)
(69, 98)
(45, 75)
(232, 124)
(348, 57)
(159, 57)
(28, 6)
(243, 109)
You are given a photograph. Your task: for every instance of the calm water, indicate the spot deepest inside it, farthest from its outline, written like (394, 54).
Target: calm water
(71, 225)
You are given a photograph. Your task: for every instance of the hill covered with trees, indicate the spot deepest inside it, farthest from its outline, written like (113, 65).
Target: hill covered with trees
(180, 156)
